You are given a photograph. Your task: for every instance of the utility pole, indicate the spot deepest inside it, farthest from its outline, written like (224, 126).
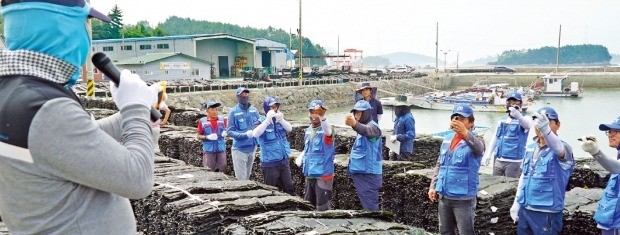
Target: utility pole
(90, 85)
(301, 54)
(437, 50)
(557, 58)
(457, 62)
(338, 54)
(290, 47)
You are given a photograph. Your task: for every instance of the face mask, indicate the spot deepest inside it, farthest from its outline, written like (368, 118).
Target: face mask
(243, 100)
(50, 29)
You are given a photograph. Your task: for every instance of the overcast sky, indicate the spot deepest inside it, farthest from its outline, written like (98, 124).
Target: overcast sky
(474, 28)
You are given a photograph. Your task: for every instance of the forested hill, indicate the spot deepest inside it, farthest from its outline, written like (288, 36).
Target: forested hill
(570, 54)
(183, 26)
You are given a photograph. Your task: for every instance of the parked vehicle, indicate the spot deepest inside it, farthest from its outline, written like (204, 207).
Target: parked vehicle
(503, 69)
(399, 70)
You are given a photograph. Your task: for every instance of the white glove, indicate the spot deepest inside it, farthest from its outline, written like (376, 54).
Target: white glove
(393, 138)
(588, 145)
(486, 160)
(212, 136)
(224, 134)
(270, 115)
(249, 133)
(279, 117)
(515, 113)
(299, 159)
(542, 122)
(132, 90)
(514, 211)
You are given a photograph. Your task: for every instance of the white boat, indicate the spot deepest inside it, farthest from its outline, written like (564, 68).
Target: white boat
(553, 85)
(480, 99)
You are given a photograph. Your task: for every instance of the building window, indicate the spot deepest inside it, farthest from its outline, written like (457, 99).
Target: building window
(195, 72)
(184, 71)
(163, 46)
(94, 49)
(148, 72)
(133, 71)
(110, 48)
(126, 48)
(145, 47)
(165, 71)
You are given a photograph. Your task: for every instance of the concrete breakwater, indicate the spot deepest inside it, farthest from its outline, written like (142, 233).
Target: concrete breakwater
(187, 106)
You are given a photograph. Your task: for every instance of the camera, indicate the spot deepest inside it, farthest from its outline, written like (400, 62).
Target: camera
(514, 106)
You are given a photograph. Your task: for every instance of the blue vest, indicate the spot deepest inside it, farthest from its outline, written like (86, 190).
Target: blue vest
(242, 120)
(458, 170)
(213, 146)
(318, 156)
(608, 212)
(400, 128)
(544, 186)
(511, 140)
(366, 156)
(273, 144)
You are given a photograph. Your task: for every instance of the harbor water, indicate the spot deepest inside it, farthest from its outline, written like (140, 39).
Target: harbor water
(578, 117)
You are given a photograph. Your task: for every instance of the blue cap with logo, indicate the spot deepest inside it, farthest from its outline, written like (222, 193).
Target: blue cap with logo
(212, 104)
(361, 106)
(551, 114)
(313, 104)
(614, 125)
(515, 96)
(463, 109)
(242, 89)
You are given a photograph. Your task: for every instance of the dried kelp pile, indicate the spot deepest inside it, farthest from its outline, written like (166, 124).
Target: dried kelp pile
(408, 194)
(425, 152)
(345, 195)
(327, 222)
(588, 173)
(91, 103)
(190, 200)
(579, 207)
(185, 117)
(405, 187)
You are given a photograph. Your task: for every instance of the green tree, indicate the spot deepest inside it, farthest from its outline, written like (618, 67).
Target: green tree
(159, 31)
(179, 26)
(113, 29)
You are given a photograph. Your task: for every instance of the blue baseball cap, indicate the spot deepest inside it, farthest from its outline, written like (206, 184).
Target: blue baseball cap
(515, 96)
(212, 104)
(551, 114)
(68, 3)
(614, 125)
(463, 109)
(242, 89)
(271, 101)
(361, 106)
(313, 104)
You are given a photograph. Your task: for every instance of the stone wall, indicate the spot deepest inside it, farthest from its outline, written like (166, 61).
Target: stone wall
(296, 99)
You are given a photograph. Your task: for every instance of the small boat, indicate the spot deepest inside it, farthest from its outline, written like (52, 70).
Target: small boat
(553, 85)
(480, 99)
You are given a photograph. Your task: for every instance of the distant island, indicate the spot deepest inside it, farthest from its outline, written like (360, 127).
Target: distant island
(586, 54)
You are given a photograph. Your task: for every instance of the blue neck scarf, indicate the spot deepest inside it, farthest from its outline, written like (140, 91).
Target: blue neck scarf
(51, 29)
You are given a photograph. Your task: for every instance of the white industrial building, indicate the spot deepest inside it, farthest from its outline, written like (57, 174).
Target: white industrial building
(228, 54)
